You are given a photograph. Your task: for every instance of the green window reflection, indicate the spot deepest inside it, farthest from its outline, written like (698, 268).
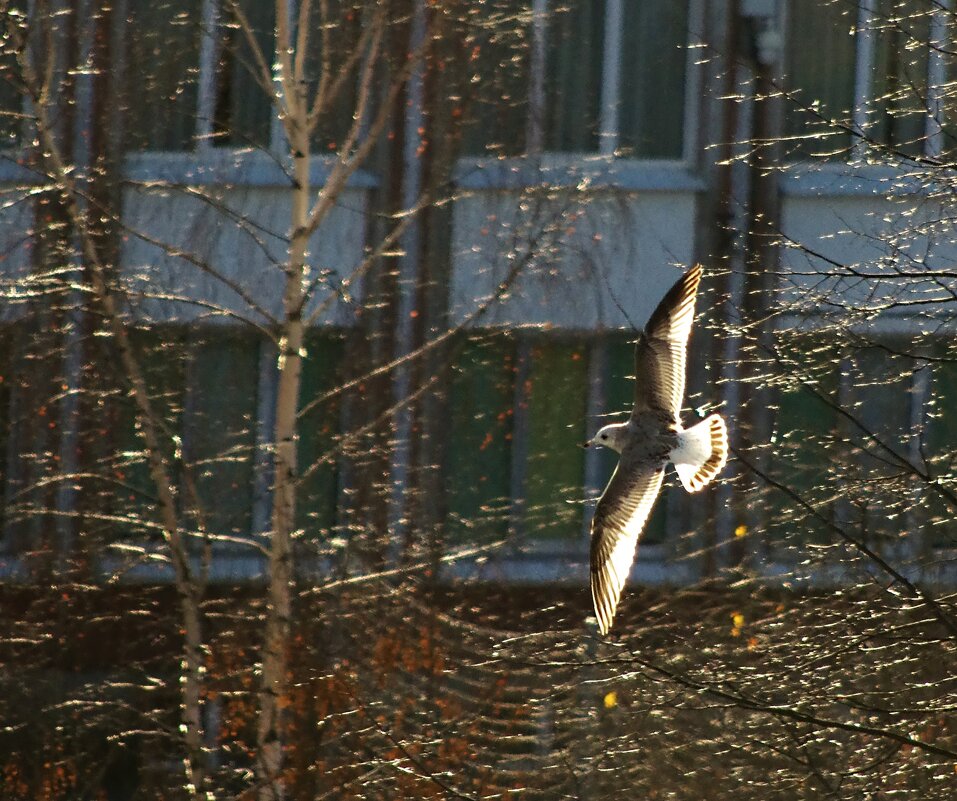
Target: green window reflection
(653, 68)
(318, 427)
(478, 474)
(220, 426)
(159, 80)
(555, 399)
(820, 76)
(243, 113)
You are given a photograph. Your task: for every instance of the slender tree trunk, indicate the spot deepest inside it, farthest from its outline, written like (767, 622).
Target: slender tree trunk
(274, 688)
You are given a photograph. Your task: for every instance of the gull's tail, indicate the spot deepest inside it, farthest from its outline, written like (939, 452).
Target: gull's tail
(701, 453)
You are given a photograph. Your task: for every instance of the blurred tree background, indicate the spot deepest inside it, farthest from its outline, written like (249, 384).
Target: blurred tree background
(306, 309)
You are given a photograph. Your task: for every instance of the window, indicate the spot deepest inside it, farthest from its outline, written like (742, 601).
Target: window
(880, 387)
(806, 447)
(653, 78)
(219, 426)
(498, 68)
(164, 356)
(6, 421)
(897, 113)
(160, 74)
(573, 76)
(519, 408)
(589, 76)
(203, 385)
(190, 76)
(11, 101)
(841, 439)
(482, 412)
(803, 442)
(874, 67)
(820, 73)
(212, 391)
(344, 27)
(318, 427)
(552, 405)
(242, 113)
(937, 449)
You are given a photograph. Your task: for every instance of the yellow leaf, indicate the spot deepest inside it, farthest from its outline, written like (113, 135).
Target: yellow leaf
(738, 619)
(740, 531)
(611, 700)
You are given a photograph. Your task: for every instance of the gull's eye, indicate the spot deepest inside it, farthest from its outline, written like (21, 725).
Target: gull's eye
(604, 437)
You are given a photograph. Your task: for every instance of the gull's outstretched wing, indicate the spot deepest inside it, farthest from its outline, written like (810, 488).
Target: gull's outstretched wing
(660, 355)
(619, 518)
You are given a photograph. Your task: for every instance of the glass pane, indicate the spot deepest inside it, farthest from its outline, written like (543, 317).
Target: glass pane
(653, 71)
(555, 395)
(808, 452)
(220, 427)
(495, 107)
(478, 476)
(897, 114)
(11, 101)
(316, 509)
(881, 384)
(802, 447)
(573, 76)
(162, 60)
(343, 25)
(946, 90)
(821, 59)
(243, 112)
(163, 356)
(619, 400)
(7, 381)
(940, 450)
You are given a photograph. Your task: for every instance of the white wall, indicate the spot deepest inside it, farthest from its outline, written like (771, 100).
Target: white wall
(585, 250)
(859, 236)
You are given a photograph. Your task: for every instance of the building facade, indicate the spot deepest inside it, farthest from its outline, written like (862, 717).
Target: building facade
(795, 148)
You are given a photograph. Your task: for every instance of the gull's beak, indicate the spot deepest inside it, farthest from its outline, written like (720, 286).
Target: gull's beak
(588, 443)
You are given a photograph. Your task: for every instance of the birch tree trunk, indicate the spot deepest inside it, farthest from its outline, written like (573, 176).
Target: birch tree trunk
(300, 114)
(273, 695)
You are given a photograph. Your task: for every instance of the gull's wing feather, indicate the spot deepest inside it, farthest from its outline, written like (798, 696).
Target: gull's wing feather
(619, 519)
(661, 352)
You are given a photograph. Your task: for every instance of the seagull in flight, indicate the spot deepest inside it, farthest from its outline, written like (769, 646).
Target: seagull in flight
(652, 437)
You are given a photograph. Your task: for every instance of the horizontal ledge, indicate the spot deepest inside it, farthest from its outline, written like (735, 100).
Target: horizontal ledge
(245, 168)
(217, 167)
(239, 565)
(586, 172)
(888, 323)
(560, 569)
(829, 179)
(211, 167)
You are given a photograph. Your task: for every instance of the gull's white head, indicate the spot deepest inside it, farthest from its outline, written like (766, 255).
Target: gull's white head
(611, 436)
